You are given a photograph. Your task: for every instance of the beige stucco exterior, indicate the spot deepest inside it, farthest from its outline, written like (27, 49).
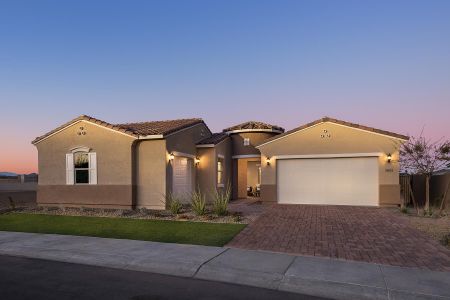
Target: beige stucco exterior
(207, 168)
(342, 140)
(114, 167)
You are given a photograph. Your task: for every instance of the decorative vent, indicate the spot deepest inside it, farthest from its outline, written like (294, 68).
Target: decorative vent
(325, 134)
(82, 131)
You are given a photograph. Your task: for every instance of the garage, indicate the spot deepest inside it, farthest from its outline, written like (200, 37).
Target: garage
(333, 181)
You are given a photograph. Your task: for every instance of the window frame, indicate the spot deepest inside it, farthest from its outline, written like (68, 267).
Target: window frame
(220, 171)
(75, 169)
(71, 170)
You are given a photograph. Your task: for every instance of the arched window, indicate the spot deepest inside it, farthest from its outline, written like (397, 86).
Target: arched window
(81, 166)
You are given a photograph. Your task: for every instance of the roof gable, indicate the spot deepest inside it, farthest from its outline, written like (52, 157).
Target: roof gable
(254, 126)
(339, 122)
(135, 130)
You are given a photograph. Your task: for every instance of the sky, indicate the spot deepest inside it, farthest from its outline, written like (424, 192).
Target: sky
(384, 64)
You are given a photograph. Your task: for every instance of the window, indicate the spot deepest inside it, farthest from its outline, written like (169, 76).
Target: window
(246, 142)
(81, 167)
(220, 172)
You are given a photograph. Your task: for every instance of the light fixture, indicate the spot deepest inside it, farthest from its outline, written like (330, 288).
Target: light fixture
(171, 156)
(389, 158)
(268, 161)
(197, 161)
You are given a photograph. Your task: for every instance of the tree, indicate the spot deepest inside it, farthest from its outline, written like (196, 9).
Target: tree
(424, 157)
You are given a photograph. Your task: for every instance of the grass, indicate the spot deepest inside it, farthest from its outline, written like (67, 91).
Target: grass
(182, 232)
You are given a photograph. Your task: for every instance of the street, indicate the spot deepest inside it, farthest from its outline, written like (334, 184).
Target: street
(25, 278)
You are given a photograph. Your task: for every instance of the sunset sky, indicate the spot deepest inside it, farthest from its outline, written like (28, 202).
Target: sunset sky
(384, 64)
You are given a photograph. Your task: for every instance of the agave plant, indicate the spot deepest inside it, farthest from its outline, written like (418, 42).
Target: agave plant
(173, 203)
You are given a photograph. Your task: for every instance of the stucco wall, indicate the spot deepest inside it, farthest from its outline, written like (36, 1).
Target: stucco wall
(185, 141)
(342, 140)
(207, 168)
(151, 161)
(114, 167)
(255, 139)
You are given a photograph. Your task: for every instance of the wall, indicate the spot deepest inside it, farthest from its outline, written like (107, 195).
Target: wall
(151, 161)
(255, 139)
(207, 168)
(252, 173)
(343, 140)
(114, 168)
(185, 141)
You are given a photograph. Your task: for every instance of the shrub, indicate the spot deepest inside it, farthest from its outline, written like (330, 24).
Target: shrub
(404, 210)
(221, 199)
(173, 203)
(198, 203)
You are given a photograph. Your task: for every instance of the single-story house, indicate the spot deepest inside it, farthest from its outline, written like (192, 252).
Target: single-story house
(91, 163)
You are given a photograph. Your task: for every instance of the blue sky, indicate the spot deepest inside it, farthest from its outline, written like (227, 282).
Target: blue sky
(380, 63)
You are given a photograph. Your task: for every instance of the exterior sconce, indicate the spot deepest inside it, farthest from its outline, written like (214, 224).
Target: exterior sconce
(389, 158)
(197, 161)
(171, 157)
(268, 161)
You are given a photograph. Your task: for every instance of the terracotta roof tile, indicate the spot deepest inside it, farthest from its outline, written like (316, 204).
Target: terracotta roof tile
(214, 139)
(159, 127)
(254, 125)
(328, 119)
(132, 129)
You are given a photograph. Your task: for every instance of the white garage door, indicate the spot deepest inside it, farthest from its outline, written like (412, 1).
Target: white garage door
(182, 176)
(335, 181)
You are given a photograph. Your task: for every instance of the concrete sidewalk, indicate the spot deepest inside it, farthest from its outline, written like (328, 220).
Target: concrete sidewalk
(336, 279)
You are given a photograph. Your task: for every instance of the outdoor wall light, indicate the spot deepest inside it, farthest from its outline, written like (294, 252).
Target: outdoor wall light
(389, 158)
(268, 161)
(197, 161)
(171, 156)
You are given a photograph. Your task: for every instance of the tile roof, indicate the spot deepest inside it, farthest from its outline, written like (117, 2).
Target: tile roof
(132, 129)
(214, 139)
(336, 121)
(159, 127)
(254, 125)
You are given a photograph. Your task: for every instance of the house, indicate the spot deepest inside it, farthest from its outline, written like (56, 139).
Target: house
(92, 163)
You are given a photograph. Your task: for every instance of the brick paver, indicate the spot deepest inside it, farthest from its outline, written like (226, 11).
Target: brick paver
(354, 233)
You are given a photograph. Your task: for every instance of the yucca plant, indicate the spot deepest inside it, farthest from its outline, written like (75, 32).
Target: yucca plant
(198, 202)
(221, 199)
(173, 203)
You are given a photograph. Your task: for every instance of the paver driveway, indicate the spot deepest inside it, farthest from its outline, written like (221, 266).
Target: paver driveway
(347, 232)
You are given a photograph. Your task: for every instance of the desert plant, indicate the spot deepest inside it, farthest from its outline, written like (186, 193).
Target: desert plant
(221, 199)
(198, 202)
(173, 203)
(424, 157)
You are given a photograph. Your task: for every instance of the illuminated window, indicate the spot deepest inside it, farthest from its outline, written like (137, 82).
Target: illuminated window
(220, 171)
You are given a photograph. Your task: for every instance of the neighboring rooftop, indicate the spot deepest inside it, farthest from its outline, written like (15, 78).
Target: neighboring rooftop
(254, 126)
(340, 122)
(133, 129)
(214, 139)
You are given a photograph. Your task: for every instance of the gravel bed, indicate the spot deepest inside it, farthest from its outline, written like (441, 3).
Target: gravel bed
(146, 214)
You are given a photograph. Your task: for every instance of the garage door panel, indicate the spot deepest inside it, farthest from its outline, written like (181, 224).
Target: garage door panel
(337, 181)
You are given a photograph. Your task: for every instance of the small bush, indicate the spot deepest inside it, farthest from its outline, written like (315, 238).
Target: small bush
(198, 203)
(237, 217)
(221, 199)
(404, 210)
(173, 203)
(428, 213)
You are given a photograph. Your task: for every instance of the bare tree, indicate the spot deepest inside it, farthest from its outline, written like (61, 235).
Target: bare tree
(421, 156)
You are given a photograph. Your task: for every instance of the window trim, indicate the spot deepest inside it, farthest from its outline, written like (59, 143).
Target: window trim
(221, 160)
(71, 170)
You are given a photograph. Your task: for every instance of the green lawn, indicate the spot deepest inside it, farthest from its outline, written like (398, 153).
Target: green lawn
(183, 232)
